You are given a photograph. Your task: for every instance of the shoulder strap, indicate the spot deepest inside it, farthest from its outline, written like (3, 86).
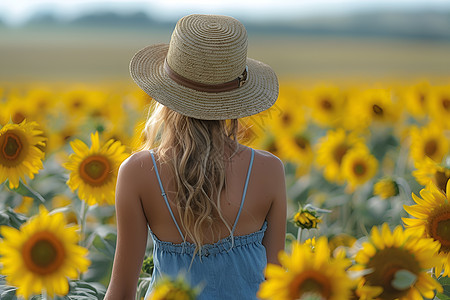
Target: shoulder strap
(245, 191)
(163, 193)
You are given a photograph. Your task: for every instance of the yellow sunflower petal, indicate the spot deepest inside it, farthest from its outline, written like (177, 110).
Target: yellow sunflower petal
(41, 255)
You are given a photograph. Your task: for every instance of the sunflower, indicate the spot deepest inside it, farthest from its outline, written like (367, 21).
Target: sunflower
(331, 150)
(286, 116)
(307, 273)
(94, 170)
(61, 137)
(341, 240)
(16, 108)
(429, 142)
(429, 172)
(372, 106)
(42, 255)
(117, 133)
(21, 152)
(41, 103)
(358, 167)
(311, 243)
(385, 188)
(396, 265)
(327, 105)
(173, 289)
(80, 102)
(306, 218)
(440, 105)
(432, 219)
(297, 149)
(416, 99)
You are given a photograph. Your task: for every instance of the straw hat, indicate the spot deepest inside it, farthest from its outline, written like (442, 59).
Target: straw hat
(204, 72)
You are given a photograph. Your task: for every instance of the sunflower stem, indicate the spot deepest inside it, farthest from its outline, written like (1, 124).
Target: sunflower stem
(83, 213)
(345, 213)
(405, 186)
(299, 235)
(349, 221)
(35, 194)
(44, 294)
(402, 160)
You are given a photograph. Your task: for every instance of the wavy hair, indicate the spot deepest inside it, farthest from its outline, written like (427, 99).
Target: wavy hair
(195, 151)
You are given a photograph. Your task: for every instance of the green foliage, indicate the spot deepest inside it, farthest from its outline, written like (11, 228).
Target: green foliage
(445, 282)
(105, 244)
(78, 290)
(10, 218)
(24, 190)
(147, 265)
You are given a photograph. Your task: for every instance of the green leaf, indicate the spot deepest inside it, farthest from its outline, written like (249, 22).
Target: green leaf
(440, 296)
(8, 292)
(445, 282)
(10, 218)
(25, 190)
(105, 245)
(86, 290)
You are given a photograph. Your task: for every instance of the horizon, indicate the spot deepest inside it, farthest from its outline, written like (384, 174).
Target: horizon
(18, 12)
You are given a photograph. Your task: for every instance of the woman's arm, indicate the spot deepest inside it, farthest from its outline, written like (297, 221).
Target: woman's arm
(274, 238)
(131, 234)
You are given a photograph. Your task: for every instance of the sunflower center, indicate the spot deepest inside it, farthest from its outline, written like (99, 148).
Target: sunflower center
(272, 147)
(310, 282)
(359, 168)
(440, 229)
(326, 104)
(301, 142)
(377, 110)
(95, 170)
(446, 103)
(386, 264)
(42, 104)
(422, 98)
(431, 146)
(11, 146)
(17, 117)
(43, 253)
(339, 153)
(441, 179)
(286, 119)
(77, 103)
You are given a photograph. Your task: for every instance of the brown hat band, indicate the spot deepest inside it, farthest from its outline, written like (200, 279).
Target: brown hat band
(209, 88)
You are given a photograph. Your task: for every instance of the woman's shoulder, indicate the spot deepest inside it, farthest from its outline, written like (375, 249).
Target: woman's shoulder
(267, 167)
(268, 160)
(135, 163)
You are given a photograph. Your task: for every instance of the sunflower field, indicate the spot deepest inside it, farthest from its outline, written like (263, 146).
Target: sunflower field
(367, 172)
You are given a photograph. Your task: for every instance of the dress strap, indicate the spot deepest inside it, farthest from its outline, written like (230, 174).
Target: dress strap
(245, 191)
(163, 193)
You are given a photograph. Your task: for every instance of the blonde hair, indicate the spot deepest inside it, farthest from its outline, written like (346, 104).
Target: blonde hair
(195, 151)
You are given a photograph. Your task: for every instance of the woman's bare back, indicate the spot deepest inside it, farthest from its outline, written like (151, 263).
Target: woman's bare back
(260, 195)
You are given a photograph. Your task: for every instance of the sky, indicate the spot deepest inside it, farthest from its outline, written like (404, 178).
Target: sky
(15, 12)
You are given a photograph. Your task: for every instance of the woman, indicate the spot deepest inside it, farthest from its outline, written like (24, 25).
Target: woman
(216, 209)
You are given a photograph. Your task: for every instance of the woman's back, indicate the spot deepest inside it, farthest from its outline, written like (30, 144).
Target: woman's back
(226, 266)
(261, 191)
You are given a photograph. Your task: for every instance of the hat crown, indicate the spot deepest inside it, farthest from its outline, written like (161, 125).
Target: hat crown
(208, 49)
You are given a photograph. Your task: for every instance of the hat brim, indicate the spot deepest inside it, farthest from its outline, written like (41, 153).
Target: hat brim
(259, 92)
